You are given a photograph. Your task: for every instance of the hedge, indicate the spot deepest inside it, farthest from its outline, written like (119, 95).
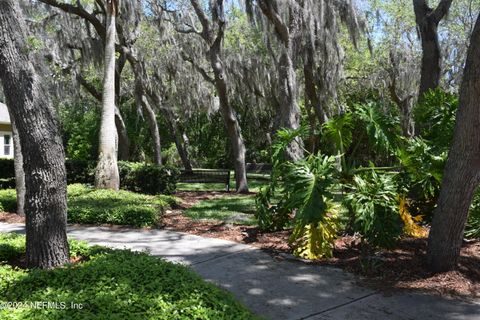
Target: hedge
(138, 177)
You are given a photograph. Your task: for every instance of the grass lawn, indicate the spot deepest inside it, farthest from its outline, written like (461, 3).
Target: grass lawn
(109, 284)
(254, 185)
(89, 206)
(231, 209)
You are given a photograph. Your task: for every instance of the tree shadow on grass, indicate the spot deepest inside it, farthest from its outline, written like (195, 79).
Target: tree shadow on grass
(236, 209)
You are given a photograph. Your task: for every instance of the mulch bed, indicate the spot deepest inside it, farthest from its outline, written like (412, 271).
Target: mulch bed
(400, 268)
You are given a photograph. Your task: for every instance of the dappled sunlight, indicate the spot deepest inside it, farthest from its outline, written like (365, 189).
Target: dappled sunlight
(279, 289)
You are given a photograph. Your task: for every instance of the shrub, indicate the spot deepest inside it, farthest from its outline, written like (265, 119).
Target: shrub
(125, 171)
(80, 171)
(148, 179)
(8, 200)
(115, 284)
(138, 177)
(305, 194)
(435, 118)
(7, 169)
(308, 186)
(422, 173)
(90, 206)
(7, 183)
(372, 201)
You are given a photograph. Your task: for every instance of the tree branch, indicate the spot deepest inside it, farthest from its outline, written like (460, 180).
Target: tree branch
(441, 10)
(203, 20)
(202, 71)
(89, 87)
(69, 8)
(272, 15)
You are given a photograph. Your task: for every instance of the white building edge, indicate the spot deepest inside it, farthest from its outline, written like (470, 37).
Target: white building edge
(6, 140)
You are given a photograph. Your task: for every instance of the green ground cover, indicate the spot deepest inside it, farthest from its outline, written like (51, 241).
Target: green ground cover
(89, 206)
(109, 284)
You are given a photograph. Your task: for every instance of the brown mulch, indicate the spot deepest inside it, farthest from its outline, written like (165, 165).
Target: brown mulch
(10, 217)
(404, 267)
(400, 268)
(175, 220)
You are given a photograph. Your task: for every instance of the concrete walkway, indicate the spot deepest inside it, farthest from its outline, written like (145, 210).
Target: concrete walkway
(276, 289)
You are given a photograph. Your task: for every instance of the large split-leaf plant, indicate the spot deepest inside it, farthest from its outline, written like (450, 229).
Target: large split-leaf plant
(300, 196)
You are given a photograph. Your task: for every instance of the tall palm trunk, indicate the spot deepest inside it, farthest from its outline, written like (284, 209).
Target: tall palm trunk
(41, 144)
(106, 174)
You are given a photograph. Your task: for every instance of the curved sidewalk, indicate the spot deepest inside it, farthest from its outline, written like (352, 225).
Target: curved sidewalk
(276, 289)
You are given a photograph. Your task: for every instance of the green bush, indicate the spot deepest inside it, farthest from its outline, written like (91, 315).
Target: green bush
(90, 206)
(7, 183)
(80, 171)
(421, 176)
(304, 189)
(7, 169)
(114, 284)
(138, 177)
(308, 185)
(372, 202)
(125, 171)
(435, 118)
(148, 179)
(12, 245)
(8, 200)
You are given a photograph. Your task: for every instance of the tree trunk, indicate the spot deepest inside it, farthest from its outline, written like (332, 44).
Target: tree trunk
(462, 171)
(180, 143)
(141, 99)
(182, 150)
(406, 106)
(154, 131)
(427, 21)
(228, 113)
(311, 89)
(231, 122)
(106, 174)
(406, 118)
(123, 140)
(43, 154)
(289, 111)
(19, 174)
